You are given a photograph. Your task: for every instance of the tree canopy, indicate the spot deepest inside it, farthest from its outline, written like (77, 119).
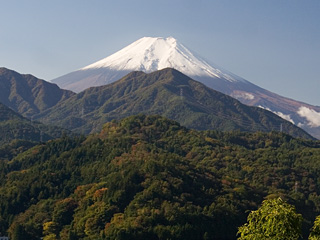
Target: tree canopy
(274, 220)
(146, 177)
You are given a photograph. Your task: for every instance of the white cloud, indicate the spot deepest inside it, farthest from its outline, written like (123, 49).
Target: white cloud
(285, 116)
(243, 95)
(311, 115)
(280, 114)
(300, 125)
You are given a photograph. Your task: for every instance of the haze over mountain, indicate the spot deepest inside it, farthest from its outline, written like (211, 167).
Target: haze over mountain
(149, 54)
(27, 94)
(166, 92)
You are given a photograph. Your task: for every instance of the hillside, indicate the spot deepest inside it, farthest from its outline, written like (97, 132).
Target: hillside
(146, 177)
(15, 127)
(168, 93)
(27, 94)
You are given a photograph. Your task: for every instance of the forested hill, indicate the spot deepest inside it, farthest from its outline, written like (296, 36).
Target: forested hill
(147, 177)
(15, 127)
(168, 93)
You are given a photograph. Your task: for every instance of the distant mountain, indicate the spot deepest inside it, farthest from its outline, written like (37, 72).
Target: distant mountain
(149, 54)
(27, 94)
(13, 126)
(168, 93)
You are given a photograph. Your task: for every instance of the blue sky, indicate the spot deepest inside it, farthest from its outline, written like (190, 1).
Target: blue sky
(274, 44)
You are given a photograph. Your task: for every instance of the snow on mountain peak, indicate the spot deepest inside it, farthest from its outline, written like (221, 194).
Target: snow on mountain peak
(150, 54)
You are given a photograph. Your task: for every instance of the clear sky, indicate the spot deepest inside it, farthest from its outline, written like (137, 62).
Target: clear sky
(274, 44)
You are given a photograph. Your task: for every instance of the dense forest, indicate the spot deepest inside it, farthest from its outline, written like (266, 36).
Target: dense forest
(147, 177)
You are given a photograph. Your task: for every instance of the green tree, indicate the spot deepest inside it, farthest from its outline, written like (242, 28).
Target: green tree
(50, 228)
(315, 231)
(275, 219)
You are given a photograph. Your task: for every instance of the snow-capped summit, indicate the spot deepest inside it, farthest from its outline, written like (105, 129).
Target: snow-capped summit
(149, 54)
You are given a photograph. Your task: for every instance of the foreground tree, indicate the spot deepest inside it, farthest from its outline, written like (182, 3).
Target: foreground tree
(315, 231)
(275, 219)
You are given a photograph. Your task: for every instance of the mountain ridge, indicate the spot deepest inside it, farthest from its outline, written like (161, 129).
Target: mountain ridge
(166, 92)
(28, 95)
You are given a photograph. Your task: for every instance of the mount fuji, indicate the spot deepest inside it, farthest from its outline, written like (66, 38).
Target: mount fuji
(150, 54)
